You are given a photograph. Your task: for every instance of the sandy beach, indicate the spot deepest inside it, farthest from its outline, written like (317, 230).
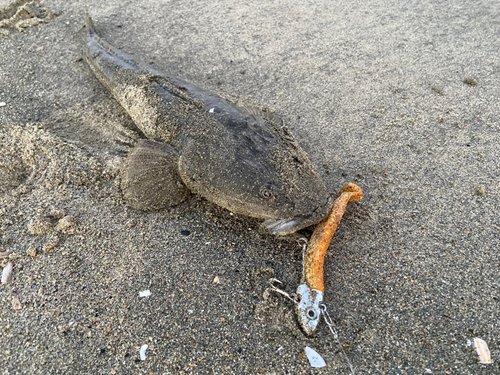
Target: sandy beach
(402, 99)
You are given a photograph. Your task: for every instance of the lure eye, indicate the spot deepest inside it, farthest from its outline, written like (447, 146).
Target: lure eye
(311, 314)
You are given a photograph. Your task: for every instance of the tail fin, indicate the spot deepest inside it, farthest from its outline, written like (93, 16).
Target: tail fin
(110, 65)
(88, 21)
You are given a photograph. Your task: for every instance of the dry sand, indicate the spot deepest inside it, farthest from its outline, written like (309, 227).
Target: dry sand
(402, 99)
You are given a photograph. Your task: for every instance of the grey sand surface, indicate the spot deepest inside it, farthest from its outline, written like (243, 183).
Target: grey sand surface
(374, 91)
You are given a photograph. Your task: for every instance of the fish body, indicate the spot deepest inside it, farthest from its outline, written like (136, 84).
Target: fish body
(238, 157)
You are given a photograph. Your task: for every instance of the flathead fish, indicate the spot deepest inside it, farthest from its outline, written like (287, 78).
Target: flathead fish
(238, 157)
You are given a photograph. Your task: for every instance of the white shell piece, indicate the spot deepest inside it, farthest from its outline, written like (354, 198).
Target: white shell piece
(211, 110)
(482, 350)
(145, 293)
(314, 358)
(7, 273)
(142, 352)
(16, 304)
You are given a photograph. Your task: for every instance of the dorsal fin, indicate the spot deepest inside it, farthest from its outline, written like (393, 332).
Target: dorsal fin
(263, 113)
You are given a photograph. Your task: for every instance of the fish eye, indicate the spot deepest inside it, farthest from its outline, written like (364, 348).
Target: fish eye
(266, 192)
(311, 314)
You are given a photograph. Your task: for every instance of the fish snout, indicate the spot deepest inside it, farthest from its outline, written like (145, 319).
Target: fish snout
(284, 227)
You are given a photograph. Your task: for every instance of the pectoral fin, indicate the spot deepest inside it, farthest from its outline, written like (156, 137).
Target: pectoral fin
(151, 178)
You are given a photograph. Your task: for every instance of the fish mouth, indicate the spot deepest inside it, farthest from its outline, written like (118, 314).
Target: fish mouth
(283, 227)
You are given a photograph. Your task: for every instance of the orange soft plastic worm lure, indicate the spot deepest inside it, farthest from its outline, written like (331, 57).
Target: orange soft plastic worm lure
(310, 292)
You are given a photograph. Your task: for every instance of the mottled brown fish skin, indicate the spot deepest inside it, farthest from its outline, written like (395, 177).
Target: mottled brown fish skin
(238, 157)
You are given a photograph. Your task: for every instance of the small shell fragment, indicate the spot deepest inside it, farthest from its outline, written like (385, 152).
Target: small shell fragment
(216, 280)
(142, 352)
(145, 293)
(3, 104)
(314, 358)
(7, 273)
(482, 350)
(16, 304)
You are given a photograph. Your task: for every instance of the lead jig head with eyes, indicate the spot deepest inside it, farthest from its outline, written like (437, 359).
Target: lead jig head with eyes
(308, 308)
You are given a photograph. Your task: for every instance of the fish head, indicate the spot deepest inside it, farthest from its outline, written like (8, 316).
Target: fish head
(308, 308)
(258, 175)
